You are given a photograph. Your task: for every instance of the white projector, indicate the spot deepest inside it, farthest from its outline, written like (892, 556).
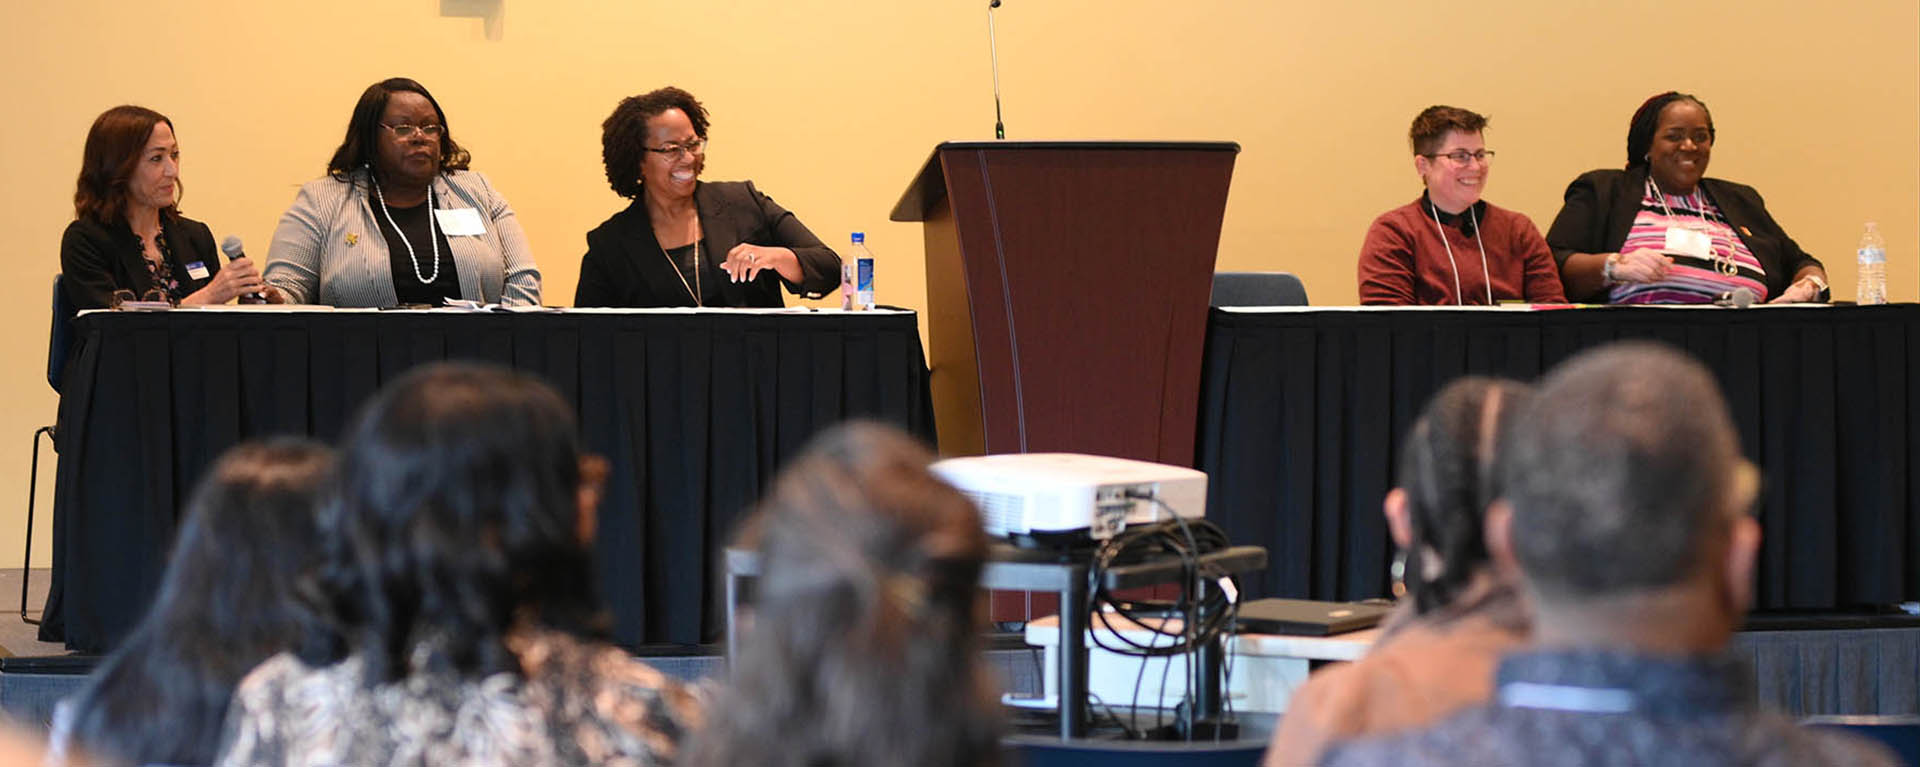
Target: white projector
(1046, 496)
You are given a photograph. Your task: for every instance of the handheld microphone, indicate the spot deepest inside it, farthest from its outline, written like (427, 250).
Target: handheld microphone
(1738, 298)
(993, 56)
(231, 246)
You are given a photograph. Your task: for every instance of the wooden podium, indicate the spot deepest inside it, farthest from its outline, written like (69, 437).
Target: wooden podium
(1067, 287)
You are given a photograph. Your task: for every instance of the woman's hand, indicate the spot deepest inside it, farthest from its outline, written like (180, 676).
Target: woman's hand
(237, 278)
(744, 262)
(1641, 265)
(1803, 291)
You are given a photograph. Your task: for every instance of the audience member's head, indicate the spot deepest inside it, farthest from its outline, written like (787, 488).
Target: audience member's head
(1437, 509)
(863, 647)
(1629, 499)
(462, 515)
(225, 604)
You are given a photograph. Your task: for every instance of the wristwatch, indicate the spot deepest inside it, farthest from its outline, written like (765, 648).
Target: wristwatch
(1606, 270)
(1821, 292)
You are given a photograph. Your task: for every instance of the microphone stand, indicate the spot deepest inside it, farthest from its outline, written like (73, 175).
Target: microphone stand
(993, 54)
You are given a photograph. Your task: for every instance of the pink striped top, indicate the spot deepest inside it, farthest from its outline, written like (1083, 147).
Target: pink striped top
(1690, 280)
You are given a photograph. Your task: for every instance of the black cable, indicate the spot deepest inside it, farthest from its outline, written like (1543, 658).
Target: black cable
(1124, 726)
(1207, 619)
(1138, 677)
(1203, 620)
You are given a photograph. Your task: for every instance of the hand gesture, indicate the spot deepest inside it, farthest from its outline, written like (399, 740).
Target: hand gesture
(1642, 265)
(745, 262)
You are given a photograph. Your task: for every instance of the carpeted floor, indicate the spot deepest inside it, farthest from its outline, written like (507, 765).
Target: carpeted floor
(17, 637)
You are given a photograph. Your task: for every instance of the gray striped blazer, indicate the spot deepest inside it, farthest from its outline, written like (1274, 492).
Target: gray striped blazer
(328, 248)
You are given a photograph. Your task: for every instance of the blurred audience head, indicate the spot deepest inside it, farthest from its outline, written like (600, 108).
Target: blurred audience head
(464, 511)
(1445, 482)
(225, 604)
(863, 646)
(1627, 488)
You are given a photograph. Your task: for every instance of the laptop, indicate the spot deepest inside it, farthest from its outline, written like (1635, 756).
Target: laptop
(1302, 617)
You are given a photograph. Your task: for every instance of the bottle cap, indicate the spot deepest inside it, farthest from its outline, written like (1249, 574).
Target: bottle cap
(859, 236)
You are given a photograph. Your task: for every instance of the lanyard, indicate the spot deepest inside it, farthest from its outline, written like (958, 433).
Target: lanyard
(1459, 296)
(1724, 265)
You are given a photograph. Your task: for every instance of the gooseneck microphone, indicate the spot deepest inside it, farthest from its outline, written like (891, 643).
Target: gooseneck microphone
(232, 247)
(993, 56)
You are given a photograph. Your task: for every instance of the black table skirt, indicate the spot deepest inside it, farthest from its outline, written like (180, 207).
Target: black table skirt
(695, 411)
(1302, 415)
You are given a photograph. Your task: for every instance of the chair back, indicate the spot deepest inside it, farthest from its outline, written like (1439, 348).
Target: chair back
(1899, 732)
(60, 338)
(1258, 289)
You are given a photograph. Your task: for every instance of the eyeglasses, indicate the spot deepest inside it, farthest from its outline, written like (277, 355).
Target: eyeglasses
(404, 131)
(1461, 157)
(694, 147)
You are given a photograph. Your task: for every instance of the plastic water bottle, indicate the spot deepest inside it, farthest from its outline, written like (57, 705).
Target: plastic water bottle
(1873, 266)
(856, 276)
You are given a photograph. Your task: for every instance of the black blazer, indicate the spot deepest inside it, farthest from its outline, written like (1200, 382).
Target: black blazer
(625, 266)
(1601, 204)
(96, 260)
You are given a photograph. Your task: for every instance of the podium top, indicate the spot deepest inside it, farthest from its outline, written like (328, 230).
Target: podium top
(928, 186)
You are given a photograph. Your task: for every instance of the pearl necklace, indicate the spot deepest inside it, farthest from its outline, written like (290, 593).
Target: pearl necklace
(432, 235)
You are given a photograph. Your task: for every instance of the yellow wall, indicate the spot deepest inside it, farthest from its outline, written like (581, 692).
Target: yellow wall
(831, 106)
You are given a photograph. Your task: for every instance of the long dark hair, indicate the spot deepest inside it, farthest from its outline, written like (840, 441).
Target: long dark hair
(225, 604)
(864, 646)
(363, 128)
(1446, 469)
(114, 145)
(457, 518)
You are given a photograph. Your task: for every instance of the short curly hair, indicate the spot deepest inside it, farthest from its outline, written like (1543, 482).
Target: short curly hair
(623, 136)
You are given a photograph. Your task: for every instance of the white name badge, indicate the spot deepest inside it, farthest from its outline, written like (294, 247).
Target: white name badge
(460, 222)
(1688, 242)
(197, 270)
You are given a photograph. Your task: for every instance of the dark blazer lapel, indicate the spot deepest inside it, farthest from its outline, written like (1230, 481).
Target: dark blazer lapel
(657, 273)
(1626, 205)
(719, 232)
(729, 216)
(188, 247)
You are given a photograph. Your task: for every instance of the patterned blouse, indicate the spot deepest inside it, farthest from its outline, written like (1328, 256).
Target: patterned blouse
(576, 703)
(1690, 280)
(161, 271)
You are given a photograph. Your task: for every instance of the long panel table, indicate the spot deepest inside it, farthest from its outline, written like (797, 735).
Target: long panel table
(694, 410)
(1302, 413)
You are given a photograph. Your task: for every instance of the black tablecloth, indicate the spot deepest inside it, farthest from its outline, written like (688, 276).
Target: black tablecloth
(1302, 414)
(695, 411)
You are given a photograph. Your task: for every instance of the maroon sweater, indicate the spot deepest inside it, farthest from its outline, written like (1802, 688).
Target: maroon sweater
(1403, 261)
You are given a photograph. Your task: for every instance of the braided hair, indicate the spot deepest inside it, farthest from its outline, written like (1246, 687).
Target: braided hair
(1647, 118)
(1445, 470)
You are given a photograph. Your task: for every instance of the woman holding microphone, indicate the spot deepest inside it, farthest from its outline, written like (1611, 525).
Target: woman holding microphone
(128, 236)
